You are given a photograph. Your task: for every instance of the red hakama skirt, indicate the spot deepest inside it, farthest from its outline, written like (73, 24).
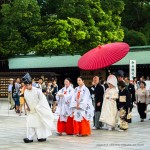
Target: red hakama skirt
(82, 128)
(66, 127)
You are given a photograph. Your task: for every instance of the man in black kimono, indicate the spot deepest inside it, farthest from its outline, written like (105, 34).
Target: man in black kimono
(131, 89)
(97, 93)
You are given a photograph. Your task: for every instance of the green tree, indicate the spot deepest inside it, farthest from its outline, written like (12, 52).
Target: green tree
(60, 26)
(136, 17)
(100, 25)
(136, 14)
(135, 38)
(17, 18)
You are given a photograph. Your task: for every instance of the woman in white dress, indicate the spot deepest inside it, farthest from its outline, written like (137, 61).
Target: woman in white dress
(109, 108)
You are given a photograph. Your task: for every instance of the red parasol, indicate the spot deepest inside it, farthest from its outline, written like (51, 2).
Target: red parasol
(103, 56)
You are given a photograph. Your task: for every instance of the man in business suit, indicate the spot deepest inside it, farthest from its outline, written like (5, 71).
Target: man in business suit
(97, 93)
(131, 89)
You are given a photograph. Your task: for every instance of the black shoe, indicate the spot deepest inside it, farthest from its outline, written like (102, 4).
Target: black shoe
(18, 111)
(58, 134)
(41, 140)
(26, 140)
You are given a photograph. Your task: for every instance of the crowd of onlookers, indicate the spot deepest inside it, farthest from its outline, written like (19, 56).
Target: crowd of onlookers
(139, 90)
(16, 90)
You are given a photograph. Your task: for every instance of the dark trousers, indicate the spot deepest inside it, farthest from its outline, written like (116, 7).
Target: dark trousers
(141, 110)
(96, 117)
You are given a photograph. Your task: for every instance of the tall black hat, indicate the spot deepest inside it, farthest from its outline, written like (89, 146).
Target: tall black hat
(120, 73)
(27, 79)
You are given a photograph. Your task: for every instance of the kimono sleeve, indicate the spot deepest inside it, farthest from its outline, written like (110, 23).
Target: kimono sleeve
(84, 99)
(57, 97)
(115, 95)
(68, 96)
(73, 103)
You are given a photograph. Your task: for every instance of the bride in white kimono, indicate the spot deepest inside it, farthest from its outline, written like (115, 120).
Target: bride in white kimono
(109, 108)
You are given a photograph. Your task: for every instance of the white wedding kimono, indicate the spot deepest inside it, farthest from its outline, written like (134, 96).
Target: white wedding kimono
(63, 108)
(85, 104)
(40, 117)
(109, 108)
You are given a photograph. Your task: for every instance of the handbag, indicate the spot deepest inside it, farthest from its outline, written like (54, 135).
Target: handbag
(122, 98)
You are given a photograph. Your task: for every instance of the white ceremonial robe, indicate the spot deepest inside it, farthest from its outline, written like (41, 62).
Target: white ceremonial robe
(109, 108)
(40, 117)
(63, 108)
(85, 104)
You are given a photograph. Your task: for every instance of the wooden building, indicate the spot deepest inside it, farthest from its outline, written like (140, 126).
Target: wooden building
(66, 66)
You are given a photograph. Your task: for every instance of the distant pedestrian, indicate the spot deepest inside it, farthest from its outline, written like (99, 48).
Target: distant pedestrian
(142, 100)
(10, 98)
(22, 100)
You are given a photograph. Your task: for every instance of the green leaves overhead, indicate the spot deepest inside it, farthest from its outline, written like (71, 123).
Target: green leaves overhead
(57, 27)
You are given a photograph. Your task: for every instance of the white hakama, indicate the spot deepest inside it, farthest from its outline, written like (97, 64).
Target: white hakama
(40, 117)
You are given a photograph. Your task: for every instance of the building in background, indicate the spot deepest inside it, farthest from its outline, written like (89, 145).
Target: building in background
(66, 66)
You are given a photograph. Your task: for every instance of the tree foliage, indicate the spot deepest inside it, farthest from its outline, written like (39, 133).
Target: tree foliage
(52, 27)
(136, 17)
(135, 38)
(17, 18)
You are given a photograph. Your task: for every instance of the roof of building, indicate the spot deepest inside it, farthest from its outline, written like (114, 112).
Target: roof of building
(43, 62)
(140, 54)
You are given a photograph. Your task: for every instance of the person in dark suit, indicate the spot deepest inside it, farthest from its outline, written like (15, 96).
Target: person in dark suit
(97, 93)
(131, 89)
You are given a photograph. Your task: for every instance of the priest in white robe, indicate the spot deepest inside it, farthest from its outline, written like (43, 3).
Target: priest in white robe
(40, 117)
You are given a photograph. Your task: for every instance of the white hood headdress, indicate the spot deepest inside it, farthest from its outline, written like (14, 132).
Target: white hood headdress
(112, 80)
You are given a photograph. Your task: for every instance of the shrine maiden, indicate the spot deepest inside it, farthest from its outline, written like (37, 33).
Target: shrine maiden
(63, 97)
(83, 110)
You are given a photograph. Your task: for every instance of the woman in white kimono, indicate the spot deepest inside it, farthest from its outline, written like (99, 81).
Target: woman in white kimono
(63, 97)
(83, 110)
(109, 108)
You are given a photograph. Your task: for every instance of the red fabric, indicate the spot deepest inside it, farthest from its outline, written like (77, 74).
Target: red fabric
(69, 126)
(66, 127)
(61, 126)
(103, 56)
(82, 128)
(65, 92)
(78, 94)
